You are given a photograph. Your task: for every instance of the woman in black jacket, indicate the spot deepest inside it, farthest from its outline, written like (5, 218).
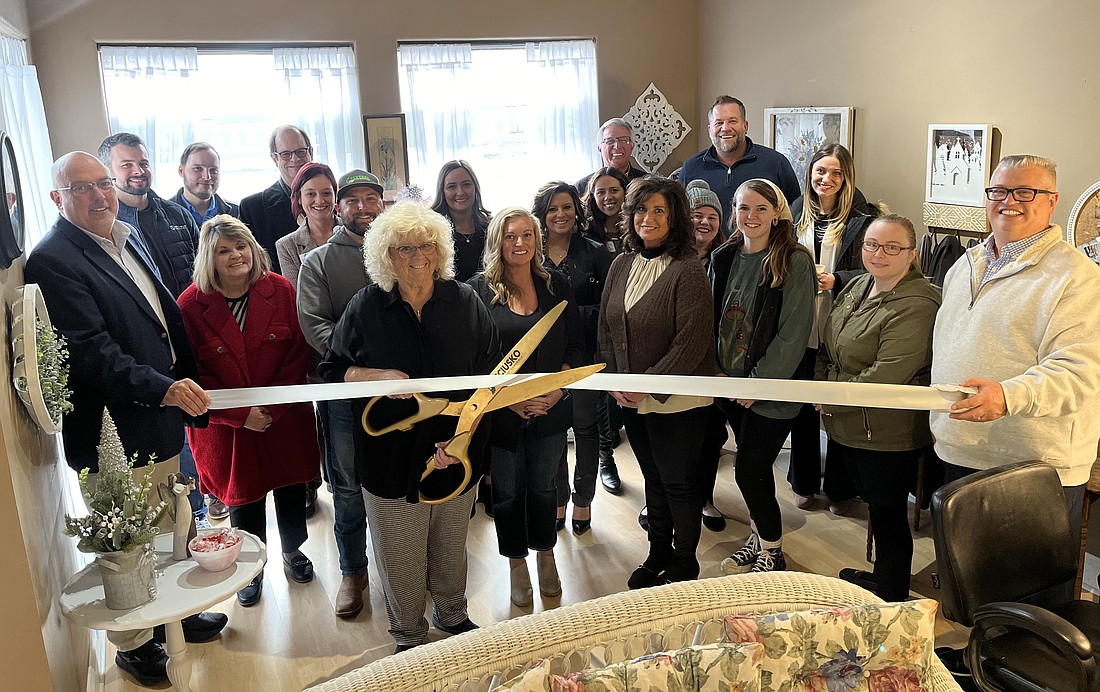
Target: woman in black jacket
(528, 438)
(557, 206)
(830, 219)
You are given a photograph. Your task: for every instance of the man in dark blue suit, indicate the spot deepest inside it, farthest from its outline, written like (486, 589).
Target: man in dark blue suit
(128, 352)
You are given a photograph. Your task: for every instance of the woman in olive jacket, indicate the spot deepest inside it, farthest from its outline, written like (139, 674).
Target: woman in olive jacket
(880, 330)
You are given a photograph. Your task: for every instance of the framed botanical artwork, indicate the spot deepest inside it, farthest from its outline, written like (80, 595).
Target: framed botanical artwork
(387, 151)
(958, 164)
(798, 132)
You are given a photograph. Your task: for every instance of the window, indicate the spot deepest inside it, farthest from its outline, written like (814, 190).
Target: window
(233, 98)
(522, 114)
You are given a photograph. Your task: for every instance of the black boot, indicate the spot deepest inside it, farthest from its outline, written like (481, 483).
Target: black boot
(609, 475)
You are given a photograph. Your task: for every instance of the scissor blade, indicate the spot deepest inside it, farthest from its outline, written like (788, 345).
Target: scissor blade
(530, 341)
(507, 395)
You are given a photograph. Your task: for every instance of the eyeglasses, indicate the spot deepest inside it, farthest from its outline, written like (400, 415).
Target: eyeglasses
(85, 189)
(408, 251)
(889, 249)
(296, 154)
(621, 141)
(1020, 194)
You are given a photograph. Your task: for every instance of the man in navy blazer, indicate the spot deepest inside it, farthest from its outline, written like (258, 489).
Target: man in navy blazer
(128, 351)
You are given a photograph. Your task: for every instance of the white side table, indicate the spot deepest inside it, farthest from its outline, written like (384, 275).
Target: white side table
(183, 589)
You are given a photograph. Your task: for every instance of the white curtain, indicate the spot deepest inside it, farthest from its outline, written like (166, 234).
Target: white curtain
(521, 114)
(24, 119)
(322, 90)
(566, 99)
(150, 92)
(437, 85)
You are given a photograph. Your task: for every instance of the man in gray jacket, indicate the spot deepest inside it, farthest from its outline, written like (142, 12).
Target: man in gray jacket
(330, 276)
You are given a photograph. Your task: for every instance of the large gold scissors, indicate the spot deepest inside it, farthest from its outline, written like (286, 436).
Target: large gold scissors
(484, 400)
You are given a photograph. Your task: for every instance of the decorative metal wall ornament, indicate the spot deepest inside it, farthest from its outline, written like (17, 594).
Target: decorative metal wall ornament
(658, 128)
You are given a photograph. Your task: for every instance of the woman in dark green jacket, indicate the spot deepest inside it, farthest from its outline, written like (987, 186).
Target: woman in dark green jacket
(880, 330)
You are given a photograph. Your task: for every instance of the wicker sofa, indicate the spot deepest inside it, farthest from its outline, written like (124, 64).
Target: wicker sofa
(603, 631)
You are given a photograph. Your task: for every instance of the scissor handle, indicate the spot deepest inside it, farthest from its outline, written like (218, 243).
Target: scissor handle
(458, 447)
(427, 407)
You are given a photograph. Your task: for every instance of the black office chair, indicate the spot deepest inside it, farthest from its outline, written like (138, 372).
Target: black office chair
(1002, 537)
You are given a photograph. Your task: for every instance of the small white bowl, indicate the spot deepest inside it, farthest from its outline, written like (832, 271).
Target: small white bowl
(217, 560)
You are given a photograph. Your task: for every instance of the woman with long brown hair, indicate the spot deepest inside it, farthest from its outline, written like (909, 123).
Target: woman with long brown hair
(763, 309)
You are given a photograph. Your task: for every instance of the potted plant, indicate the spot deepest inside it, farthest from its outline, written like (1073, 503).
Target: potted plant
(121, 525)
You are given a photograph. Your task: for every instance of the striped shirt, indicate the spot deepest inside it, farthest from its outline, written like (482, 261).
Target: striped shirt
(996, 261)
(239, 308)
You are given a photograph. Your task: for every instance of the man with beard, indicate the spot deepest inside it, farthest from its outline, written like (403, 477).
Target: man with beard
(733, 158)
(165, 230)
(330, 276)
(200, 169)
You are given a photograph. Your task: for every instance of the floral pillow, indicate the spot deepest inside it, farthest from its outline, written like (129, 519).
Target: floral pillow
(710, 668)
(872, 647)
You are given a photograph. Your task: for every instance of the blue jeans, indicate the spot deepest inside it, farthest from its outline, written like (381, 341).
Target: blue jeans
(350, 527)
(525, 494)
(187, 468)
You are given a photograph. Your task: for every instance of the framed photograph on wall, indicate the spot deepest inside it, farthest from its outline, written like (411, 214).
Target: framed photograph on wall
(387, 151)
(958, 164)
(798, 132)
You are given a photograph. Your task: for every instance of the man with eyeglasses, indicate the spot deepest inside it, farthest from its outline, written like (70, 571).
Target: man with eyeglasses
(164, 229)
(1020, 322)
(733, 158)
(330, 277)
(615, 142)
(267, 213)
(128, 353)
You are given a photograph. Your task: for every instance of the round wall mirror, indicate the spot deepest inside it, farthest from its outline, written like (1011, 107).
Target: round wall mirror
(1084, 218)
(14, 217)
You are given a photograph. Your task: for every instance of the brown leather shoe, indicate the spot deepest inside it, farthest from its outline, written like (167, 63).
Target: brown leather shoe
(349, 599)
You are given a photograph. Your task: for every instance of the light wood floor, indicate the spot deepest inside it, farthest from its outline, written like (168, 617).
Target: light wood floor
(291, 639)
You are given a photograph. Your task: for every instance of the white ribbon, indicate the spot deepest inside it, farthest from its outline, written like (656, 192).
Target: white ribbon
(895, 396)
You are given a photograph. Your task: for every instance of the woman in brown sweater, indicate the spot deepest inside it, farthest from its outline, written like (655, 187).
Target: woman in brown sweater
(656, 318)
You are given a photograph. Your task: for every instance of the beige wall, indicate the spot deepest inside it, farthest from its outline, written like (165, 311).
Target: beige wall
(14, 12)
(1027, 67)
(650, 43)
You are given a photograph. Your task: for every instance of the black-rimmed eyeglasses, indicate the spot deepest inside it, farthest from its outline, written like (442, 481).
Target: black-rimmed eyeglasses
(295, 153)
(889, 248)
(84, 189)
(1020, 194)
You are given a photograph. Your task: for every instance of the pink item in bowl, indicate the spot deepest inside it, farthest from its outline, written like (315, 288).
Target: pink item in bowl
(216, 550)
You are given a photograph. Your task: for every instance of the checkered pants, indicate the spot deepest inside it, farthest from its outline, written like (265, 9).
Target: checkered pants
(420, 549)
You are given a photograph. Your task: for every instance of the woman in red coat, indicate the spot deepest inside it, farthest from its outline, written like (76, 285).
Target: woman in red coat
(243, 323)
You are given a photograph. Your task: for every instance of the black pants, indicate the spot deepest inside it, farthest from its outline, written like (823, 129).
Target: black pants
(609, 417)
(804, 472)
(290, 514)
(586, 440)
(759, 440)
(883, 480)
(667, 447)
(713, 441)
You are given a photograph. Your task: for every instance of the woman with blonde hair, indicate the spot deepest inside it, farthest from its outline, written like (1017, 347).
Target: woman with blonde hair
(829, 221)
(528, 438)
(243, 320)
(415, 320)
